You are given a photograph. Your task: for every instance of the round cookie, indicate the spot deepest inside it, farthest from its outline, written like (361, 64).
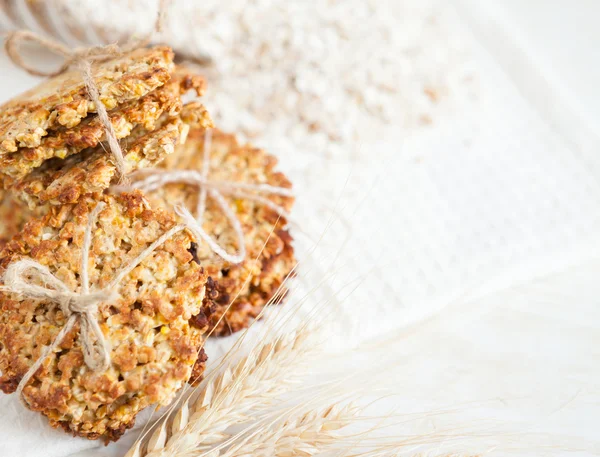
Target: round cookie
(154, 342)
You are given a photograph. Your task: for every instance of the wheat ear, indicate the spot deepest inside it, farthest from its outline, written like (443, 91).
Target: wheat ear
(301, 432)
(229, 397)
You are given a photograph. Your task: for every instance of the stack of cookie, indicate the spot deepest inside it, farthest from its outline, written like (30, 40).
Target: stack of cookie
(51, 148)
(59, 194)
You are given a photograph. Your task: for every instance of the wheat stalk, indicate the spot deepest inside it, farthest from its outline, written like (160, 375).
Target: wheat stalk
(302, 432)
(305, 430)
(228, 398)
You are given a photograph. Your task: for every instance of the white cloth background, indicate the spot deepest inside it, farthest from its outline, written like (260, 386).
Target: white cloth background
(460, 219)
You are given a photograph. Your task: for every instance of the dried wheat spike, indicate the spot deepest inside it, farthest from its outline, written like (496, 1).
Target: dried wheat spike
(302, 431)
(232, 397)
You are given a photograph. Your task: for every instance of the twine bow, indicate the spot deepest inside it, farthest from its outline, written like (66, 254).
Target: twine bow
(82, 58)
(24, 276)
(216, 190)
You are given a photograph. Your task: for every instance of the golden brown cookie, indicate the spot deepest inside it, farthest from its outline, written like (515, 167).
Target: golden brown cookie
(60, 181)
(245, 288)
(153, 345)
(64, 100)
(64, 142)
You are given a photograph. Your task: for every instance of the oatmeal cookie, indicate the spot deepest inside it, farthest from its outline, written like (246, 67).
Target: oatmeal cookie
(63, 100)
(63, 181)
(64, 142)
(153, 343)
(245, 288)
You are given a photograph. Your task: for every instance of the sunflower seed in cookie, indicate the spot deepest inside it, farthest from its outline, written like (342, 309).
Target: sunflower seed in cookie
(60, 181)
(152, 344)
(245, 288)
(65, 142)
(64, 100)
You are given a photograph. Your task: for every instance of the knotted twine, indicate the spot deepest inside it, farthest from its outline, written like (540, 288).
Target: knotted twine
(216, 189)
(25, 276)
(82, 58)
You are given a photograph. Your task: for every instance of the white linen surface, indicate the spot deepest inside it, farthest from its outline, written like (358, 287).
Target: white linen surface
(454, 217)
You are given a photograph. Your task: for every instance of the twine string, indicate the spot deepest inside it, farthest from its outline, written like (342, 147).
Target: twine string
(110, 134)
(82, 58)
(25, 276)
(217, 190)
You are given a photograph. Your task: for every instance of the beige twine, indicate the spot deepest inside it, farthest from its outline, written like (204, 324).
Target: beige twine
(156, 179)
(82, 58)
(24, 276)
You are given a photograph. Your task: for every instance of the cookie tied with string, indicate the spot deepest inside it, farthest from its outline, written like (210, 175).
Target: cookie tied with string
(244, 287)
(110, 326)
(64, 141)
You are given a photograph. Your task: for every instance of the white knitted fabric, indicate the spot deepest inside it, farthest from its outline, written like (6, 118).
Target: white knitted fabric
(486, 197)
